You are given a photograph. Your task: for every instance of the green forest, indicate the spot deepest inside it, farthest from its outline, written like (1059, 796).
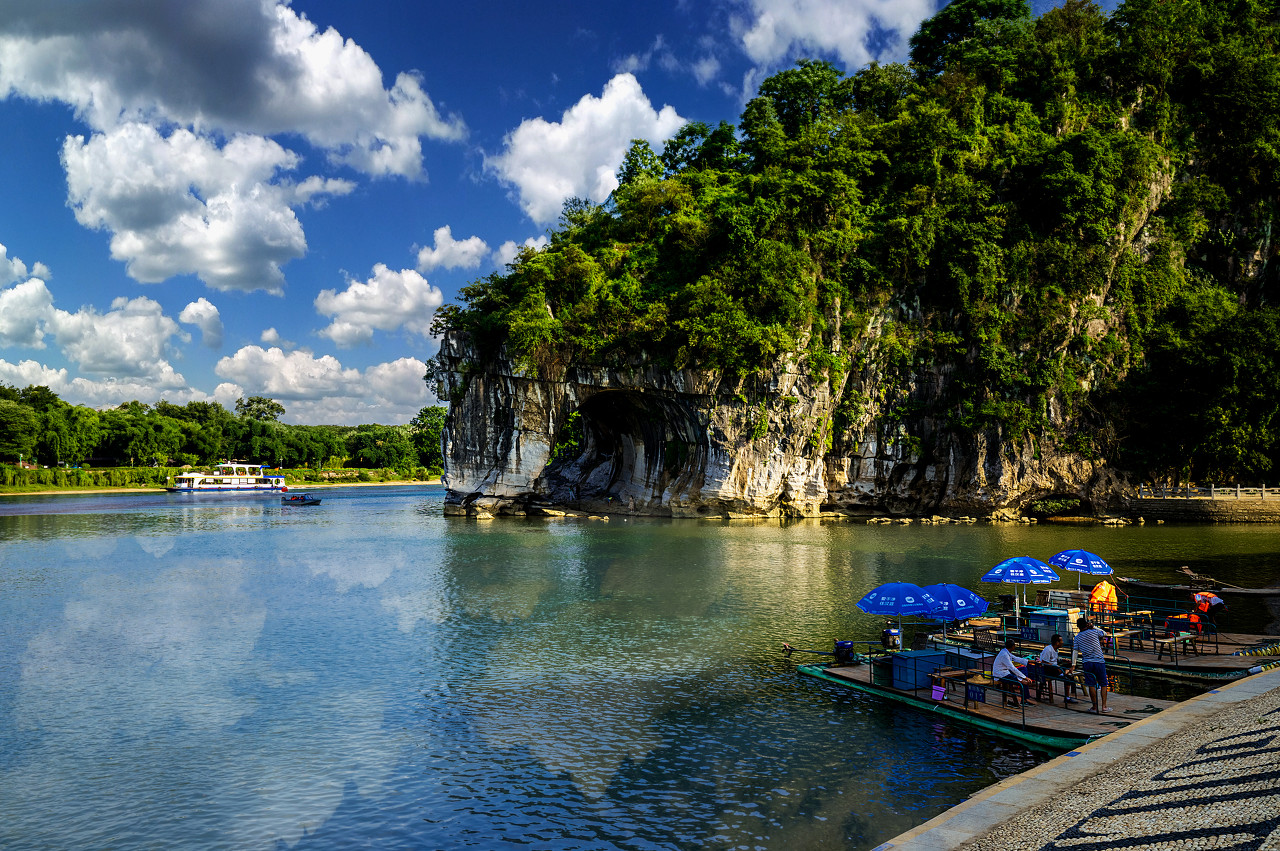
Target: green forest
(39, 428)
(1069, 216)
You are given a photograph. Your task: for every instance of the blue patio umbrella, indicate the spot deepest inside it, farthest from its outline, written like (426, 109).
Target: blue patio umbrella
(957, 603)
(1081, 561)
(1021, 570)
(898, 598)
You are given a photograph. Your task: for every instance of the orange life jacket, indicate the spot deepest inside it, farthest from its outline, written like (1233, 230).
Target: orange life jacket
(1103, 597)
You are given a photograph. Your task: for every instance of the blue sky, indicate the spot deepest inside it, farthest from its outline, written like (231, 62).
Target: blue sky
(224, 198)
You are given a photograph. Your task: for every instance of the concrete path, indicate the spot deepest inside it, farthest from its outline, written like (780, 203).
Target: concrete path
(1204, 774)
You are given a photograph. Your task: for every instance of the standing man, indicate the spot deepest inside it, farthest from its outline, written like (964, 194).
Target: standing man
(1093, 661)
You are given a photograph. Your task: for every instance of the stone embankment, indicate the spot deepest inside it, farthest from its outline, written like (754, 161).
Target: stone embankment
(1202, 774)
(1201, 510)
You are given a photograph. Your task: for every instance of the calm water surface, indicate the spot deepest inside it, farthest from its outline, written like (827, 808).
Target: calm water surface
(228, 673)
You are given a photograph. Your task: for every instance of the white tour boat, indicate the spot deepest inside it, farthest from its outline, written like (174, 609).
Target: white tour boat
(236, 476)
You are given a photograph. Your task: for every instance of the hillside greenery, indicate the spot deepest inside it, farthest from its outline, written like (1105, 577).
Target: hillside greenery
(1070, 216)
(38, 427)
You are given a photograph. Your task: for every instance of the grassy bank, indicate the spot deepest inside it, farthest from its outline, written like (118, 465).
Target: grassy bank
(15, 480)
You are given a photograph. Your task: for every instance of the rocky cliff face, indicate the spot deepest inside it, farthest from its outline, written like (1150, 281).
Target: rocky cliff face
(686, 443)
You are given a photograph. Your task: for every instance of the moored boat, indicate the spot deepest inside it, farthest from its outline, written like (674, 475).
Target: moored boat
(1199, 586)
(229, 477)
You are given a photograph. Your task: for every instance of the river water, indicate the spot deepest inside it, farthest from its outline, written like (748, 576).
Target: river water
(234, 674)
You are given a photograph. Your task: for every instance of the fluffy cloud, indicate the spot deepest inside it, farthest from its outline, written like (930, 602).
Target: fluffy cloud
(399, 382)
(25, 310)
(705, 70)
(640, 61)
(547, 162)
(204, 315)
(234, 66)
(130, 340)
(272, 338)
(288, 375)
(321, 390)
(451, 253)
(12, 269)
(387, 301)
(182, 204)
(179, 167)
(107, 392)
(129, 346)
(505, 254)
(774, 29)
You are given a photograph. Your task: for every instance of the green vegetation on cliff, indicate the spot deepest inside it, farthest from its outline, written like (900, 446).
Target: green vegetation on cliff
(1068, 216)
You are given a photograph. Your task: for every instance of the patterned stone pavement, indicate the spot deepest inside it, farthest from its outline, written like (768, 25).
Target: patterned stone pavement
(1204, 774)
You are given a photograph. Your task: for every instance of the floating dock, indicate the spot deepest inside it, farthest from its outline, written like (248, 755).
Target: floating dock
(1187, 657)
(971, 698)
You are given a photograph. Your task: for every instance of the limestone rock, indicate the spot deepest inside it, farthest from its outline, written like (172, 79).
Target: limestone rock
(700, 443)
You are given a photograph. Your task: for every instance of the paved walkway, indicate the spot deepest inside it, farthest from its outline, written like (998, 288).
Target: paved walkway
(1204, 774)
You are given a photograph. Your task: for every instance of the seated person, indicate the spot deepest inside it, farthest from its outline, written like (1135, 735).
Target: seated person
(1006, 667)
(1051, 665)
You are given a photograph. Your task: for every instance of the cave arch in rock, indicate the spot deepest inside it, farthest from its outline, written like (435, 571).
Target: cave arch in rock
(1063, 504)
(635, 450)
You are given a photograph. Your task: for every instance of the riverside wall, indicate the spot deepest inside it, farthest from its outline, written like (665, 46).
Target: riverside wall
(1201, 510)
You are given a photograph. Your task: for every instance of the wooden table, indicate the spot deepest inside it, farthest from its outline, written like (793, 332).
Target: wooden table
(1186, 639)
(974, 682)
(1131, 634)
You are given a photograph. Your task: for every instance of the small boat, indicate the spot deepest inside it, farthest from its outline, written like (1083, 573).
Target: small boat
(1215, 587)
(229, 477)
(299, 499)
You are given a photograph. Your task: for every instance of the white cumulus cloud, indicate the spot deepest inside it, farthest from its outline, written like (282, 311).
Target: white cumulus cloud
(272, 338)
(288, 375)
(25, 310)
(131, 340)
(386, 302)
(129, 347)
(100, 393)
(321, 390)
(179, 164)
(234, 66)
(505, 254)
(13, 269)
(204, 315)
(772, 30)
(547, 162)
(184, 205)
(451, 253)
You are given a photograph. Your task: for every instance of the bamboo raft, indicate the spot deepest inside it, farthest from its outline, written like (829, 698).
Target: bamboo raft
(1188, 657)
(1049, 724)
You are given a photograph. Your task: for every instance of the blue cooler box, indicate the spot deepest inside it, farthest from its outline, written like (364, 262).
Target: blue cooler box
(911, 668)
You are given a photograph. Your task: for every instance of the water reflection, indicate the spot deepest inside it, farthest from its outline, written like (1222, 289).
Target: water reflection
(242, 676)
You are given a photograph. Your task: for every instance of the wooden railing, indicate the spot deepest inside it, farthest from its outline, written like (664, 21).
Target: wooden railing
(1210, 492)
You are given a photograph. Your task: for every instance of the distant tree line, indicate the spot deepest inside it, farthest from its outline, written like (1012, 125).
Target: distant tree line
(39, 427)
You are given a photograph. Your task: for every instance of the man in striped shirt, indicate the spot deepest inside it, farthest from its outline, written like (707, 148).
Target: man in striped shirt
(1093, 661)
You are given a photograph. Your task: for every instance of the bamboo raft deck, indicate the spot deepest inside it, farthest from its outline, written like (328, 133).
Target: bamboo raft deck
(1184, 657)
(1048, 724)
